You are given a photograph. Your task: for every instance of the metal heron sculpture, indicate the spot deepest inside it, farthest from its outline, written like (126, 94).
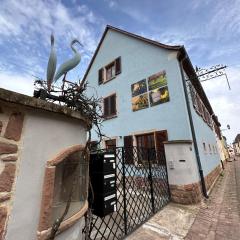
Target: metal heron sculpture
(52, 63)
(65, 67)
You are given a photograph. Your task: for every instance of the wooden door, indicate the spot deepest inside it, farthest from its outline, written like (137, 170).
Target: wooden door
(146, 147)
(160, 137)
(128, 149)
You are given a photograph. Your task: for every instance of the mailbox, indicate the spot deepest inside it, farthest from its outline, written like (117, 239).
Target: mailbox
(102, 172)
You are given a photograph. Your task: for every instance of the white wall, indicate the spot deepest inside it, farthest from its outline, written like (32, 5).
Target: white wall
(181, 173)
(45, 134)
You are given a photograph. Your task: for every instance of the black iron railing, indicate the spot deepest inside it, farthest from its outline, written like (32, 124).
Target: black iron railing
(142, 190)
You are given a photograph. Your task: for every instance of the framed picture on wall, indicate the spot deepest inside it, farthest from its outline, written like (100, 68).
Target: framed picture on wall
(139, 88)
(157, 80)
(158, 96)
(140, 102)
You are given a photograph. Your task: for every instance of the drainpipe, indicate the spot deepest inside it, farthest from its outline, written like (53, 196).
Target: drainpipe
(204, 190)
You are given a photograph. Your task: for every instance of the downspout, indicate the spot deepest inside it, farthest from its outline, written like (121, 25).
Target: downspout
(203, 185)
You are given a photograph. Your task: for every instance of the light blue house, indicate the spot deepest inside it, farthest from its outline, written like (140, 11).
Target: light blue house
(152, 98)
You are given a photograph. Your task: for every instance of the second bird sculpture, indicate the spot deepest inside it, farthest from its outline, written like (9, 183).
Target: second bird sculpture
(64, 67)
(52, 63)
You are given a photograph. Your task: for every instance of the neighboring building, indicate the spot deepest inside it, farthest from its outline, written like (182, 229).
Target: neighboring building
(144, 85)
(225, 148)
(236, 145)
(231, 151)
(222, 147)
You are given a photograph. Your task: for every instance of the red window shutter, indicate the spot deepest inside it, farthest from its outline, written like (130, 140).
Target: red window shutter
(100, 76)
(106, 106)
(128, 147)
(110, 106)
(113, 104)
(118, 66)
(160, 137)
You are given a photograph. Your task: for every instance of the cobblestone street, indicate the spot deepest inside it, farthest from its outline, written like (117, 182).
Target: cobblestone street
(219, 217)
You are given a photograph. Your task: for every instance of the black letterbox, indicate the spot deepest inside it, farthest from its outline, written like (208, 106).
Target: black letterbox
(102, 162)
(103, 183)
(104, 204)
(102, 172)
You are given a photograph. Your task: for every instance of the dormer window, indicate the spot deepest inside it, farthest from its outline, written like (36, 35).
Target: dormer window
(110, 71)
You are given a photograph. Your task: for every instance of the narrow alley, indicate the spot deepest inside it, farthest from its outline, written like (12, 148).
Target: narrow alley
(220, 218)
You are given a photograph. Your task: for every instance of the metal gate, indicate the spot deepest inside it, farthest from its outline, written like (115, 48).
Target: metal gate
(142, 190)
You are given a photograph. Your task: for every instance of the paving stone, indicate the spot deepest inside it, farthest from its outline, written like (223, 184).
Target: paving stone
(222, 210)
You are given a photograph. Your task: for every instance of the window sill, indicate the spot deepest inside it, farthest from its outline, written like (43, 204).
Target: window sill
(110, 117)
(106, 81)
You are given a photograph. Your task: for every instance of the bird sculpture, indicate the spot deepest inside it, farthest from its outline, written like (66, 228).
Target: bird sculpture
(52, 63)
(65, 67)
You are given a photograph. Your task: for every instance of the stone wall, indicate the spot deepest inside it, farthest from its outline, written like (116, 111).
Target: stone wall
(192, 193)
(11, 124)
(33, 131)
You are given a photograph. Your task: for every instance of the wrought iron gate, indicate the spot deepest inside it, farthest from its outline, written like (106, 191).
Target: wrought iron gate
(142, 190)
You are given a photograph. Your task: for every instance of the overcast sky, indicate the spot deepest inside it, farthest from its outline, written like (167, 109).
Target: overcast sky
(209, 29)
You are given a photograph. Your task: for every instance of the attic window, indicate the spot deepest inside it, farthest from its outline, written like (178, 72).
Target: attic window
(109, 71)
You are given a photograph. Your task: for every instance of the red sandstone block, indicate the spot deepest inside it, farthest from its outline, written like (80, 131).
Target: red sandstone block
(5, 197)
(1, 125)
(7, 177)
(3, 218)
(7, 148)
(9, 159)
(189, 187)
(14, 126)
(47, 198)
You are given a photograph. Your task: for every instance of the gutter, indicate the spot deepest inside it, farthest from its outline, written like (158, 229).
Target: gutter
(203, 184)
